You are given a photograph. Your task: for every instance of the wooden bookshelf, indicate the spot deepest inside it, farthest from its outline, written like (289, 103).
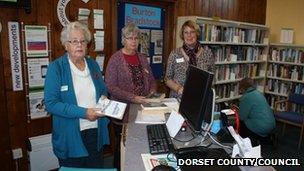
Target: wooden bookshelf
(240, 50)
(285, 71)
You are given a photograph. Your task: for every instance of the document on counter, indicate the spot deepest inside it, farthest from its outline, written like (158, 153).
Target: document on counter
(150, 161)
(174, 123)
(155, 118)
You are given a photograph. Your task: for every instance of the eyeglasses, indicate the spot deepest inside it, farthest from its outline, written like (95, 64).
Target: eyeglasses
(189, 32)
(77, 42)
(132, 38)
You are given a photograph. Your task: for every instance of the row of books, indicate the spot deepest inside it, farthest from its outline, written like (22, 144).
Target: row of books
(237, 71)
(282, 106)
(227, 90)
(286, 71)
(238, 53)
(283, 87)
(272, 99)
(287, 55)
(218, 33)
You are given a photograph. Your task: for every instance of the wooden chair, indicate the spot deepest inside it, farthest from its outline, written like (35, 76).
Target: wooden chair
(288, 116)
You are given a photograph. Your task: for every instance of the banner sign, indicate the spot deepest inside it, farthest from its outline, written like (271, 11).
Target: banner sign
(15, 55)
(143, 16)
(61, 5)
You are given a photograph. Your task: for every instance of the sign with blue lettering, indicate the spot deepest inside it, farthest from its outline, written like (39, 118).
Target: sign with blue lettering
(143, 16)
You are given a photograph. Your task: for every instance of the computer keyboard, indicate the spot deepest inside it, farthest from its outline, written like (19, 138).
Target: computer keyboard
(159, 139)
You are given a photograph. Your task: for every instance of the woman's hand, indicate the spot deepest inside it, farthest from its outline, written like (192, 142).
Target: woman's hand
(140, 99)
(180, 90)
(93, 114)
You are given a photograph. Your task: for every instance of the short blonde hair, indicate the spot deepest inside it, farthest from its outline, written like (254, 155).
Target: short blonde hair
(128, 30)
(72, 26)
(191, 24)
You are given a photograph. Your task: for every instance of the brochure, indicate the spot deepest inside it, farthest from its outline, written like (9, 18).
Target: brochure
(150, 161)
(111, 108)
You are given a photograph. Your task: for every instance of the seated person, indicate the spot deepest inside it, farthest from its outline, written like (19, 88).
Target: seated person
(256, 116)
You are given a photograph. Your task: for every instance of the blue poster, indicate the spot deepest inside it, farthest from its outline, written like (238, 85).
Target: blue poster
(143, 16)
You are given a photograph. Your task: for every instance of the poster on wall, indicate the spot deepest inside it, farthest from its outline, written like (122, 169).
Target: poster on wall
(36, 41)
(144, 41)
(157, 39)
(147, 18)
(143, 15)
(37, 68)
(37, 107)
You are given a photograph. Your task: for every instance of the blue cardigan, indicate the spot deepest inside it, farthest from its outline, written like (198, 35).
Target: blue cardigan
(61, 103)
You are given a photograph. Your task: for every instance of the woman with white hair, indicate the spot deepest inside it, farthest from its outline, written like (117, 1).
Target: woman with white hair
(73, 86)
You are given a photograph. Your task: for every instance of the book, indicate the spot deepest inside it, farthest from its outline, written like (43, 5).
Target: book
(154, 106)
(155, 97)
(111, 108)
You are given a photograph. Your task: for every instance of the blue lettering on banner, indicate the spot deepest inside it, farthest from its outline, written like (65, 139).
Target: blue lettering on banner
(143, 16)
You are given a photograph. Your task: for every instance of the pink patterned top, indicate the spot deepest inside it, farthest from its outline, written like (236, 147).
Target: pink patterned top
(119, 80)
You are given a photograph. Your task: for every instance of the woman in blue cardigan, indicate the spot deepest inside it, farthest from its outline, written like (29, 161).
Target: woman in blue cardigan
(73, 86)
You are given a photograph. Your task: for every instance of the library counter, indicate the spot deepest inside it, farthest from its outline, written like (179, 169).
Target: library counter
(134, 142)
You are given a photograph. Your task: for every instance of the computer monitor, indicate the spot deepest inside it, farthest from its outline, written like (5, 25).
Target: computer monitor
(197, 102)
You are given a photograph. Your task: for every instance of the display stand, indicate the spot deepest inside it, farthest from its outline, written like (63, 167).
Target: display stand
(25, 66)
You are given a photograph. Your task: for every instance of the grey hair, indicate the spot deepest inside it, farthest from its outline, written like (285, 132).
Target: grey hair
(128, 30)
(72, 26)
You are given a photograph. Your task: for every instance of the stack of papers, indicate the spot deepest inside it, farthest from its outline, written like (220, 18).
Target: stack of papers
(154, 113)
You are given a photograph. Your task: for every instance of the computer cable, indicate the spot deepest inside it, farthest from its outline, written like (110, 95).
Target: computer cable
(193, 137)
(218, 143)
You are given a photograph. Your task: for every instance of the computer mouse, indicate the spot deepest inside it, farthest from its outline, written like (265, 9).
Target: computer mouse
(163, 168)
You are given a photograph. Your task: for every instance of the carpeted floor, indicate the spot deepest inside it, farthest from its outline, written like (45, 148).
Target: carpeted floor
(287, 148)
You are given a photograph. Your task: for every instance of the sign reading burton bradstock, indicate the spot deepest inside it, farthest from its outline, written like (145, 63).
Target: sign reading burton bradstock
(15, 55)
(143, 16)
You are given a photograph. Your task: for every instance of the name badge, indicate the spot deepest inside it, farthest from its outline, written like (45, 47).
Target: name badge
(179, 60)
(64, 88)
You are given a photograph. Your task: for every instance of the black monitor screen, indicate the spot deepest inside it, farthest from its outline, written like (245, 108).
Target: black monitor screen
(196, 98)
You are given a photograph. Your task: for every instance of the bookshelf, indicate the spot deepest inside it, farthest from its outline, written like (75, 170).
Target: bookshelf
(285, 73)
(240, 50)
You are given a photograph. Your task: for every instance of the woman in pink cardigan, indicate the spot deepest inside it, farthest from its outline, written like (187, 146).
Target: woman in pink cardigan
(129, 78)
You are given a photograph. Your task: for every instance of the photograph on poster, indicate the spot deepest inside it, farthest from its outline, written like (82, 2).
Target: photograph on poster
(144, 41)
(37, 107)
(37, 68)
(157, 39)
(157, 59)
(36, 41)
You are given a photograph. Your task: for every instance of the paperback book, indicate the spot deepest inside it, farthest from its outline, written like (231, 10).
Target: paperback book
(111, 108)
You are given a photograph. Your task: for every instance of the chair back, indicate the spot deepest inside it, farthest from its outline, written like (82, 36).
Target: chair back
(296, 98)
(236, 109)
